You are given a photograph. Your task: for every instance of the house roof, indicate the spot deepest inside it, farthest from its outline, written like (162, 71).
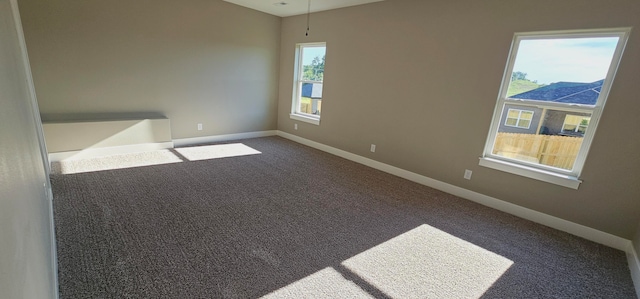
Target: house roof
(565, 92)
(312, 90)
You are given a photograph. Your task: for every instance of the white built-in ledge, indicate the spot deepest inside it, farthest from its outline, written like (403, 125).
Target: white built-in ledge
(532, 173)
(89, 138)
(307, 119)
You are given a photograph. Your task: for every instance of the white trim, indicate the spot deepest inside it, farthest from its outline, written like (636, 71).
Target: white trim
(634, 266)
(532, 173)
(106, 151)
(217, 138)
(41, 143)
(32, 90)
(522, 212)
(306, 119)
(298, 81)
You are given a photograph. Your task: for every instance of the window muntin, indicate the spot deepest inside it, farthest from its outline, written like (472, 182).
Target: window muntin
(309, 80)
(519, 118)
(559, 73)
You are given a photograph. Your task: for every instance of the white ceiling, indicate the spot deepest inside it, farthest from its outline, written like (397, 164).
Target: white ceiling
(286, 8)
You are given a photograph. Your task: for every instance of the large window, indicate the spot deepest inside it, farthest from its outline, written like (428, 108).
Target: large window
(565, 76)
(309, 76)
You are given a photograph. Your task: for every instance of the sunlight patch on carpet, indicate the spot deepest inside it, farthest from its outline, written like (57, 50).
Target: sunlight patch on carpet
(426, 262)
(326, 283)
(207, 152)
(111, 162)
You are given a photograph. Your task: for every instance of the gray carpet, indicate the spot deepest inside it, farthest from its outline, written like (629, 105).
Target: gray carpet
(295, 222)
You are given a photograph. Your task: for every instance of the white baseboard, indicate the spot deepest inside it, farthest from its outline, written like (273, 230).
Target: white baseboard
(217, 138)
(522, 212)
(634, 265)
(106, 151)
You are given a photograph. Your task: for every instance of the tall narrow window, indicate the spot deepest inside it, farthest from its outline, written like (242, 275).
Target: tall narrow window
(309, 77)
(566, 76)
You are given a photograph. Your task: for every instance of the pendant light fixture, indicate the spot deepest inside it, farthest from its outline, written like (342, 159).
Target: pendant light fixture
(308, 15)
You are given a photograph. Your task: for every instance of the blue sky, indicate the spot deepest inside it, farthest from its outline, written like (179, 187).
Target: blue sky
(567, 59)
(310, 53)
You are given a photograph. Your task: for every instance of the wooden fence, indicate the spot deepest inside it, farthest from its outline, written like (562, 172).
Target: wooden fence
(551, 150)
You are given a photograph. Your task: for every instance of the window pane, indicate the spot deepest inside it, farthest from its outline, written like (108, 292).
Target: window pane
(313, 63)
(572, 119)
(556, 144)
(311, 98)
(554, 151)
(582, 129)
(513, 113)
(511, 122)
(561, 70)
(526, 115)
(524, 123)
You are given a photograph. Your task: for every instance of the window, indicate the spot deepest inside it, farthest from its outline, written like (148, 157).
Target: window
(519, 118)
(575, 124)
(309, 76)
(565, 77)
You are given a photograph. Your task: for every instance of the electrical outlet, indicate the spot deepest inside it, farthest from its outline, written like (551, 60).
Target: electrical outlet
(295, 126)
(199, 127)
(373, 148)
(467, 174)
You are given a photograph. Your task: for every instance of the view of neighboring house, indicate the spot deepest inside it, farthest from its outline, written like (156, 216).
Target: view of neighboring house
(525, 119)
(313, 91)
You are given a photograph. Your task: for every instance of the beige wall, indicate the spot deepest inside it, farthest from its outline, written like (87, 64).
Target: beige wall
(636, 240)
(420, 80)
(75, 136)
(26, 254)
(193, 61)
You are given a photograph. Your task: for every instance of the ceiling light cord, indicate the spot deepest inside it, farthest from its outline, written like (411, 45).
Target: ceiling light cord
(308, 15)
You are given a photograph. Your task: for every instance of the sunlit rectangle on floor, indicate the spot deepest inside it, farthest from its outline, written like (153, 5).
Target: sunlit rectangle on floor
(207, 152)
(114, 162)
(429, 263)
(326, 283)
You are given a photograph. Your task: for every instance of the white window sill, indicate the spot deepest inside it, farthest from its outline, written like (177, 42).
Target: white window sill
(533, 173)
(304, 118)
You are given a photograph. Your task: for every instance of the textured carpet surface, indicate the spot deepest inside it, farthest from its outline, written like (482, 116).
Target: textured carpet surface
(291, 221)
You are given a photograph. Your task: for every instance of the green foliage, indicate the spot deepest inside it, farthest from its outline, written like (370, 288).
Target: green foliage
(519, 76)
(520, 86)
(520, 83)
(315, 71)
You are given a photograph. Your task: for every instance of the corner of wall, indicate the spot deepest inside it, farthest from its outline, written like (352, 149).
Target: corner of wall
(634, 261)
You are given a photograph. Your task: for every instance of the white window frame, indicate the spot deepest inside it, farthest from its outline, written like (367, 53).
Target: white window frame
(518, 118)
(296, 114)
(562, 177)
